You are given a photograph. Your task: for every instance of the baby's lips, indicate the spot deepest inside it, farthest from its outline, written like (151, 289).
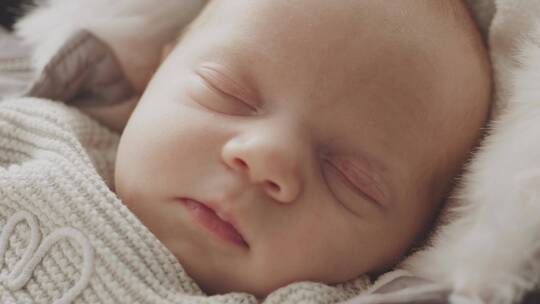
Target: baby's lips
(224, 216)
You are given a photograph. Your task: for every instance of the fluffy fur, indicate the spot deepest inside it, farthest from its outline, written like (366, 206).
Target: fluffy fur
(486, 246)
(135, 29)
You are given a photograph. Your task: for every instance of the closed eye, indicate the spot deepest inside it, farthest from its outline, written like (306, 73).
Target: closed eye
(224, 84)
(356, 185)
(212, 96)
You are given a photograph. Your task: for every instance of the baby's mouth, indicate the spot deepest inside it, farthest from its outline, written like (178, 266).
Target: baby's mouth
(210, 220)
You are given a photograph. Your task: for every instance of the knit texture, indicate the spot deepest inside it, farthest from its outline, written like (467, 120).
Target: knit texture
(65, 237)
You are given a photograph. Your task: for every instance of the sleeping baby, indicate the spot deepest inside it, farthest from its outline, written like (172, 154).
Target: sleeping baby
(284, 141)
(287, 141)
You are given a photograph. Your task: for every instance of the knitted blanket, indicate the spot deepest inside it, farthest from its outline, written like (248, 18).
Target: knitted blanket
(66, 238)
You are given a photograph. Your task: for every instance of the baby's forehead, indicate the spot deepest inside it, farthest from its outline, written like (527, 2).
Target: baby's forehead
(377, 17)
(329, 32)
(356, 40)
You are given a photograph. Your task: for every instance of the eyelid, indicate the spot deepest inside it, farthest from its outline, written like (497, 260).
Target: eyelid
(225, 84)
(360, 179)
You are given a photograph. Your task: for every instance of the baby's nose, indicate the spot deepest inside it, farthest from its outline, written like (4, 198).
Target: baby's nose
(267, 163)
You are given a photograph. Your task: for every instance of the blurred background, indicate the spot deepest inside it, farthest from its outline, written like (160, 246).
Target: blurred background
(10, 10)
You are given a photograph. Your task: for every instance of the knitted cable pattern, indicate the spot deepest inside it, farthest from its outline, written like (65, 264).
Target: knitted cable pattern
(33, 254)
(66, 238)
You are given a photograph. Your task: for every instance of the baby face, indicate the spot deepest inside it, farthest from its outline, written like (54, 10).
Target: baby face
(283, 141)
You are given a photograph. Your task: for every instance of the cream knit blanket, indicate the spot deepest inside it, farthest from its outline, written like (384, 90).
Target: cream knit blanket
(66, 238)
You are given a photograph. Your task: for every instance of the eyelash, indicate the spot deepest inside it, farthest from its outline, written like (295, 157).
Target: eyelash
(210, 79)
(210, 87)
(344, 179)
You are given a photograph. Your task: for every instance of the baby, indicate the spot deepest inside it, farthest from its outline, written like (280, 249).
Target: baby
(283, 141)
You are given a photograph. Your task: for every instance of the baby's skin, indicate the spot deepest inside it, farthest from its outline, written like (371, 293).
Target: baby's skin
(284, 141)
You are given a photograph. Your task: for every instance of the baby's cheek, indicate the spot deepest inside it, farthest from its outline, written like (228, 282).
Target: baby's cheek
(134, 165)
(121, 187)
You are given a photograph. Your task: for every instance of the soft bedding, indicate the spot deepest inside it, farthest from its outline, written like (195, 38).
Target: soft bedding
(486, 244)
(15, 73)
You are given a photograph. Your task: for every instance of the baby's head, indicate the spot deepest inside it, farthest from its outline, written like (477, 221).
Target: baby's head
(327, 134)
